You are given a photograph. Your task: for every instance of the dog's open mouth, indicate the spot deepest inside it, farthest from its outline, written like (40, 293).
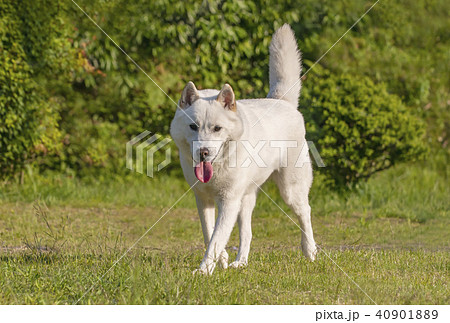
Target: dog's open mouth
(204, 171)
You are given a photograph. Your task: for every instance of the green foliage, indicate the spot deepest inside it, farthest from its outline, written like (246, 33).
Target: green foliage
(33, 49)
(216, 42)
(91, 89)
(403, 44)
(358, 126)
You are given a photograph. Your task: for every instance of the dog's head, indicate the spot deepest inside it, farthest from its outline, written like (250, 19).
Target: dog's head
(204, 122)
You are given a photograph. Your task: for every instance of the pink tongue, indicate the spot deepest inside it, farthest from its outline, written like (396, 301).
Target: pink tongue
(204, 171)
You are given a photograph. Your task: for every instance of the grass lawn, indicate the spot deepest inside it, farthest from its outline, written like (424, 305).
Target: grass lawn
(59, 237)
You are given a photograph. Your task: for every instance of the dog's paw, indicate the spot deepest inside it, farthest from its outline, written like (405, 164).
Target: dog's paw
(205, 269)
(310, 250)
(238, 264)
(200, 271)
(223, 259)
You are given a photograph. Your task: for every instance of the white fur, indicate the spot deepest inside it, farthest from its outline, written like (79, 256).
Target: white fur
(284, 66)
(234, 188)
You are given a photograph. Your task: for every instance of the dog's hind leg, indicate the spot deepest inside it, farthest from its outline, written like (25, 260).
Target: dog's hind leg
(206, 211)
(245, 229)
(294, 184)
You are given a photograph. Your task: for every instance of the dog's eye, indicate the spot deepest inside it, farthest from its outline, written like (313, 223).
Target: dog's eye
(217, 128)
(193, 126)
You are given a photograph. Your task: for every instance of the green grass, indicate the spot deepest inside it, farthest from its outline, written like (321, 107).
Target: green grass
(58, 236)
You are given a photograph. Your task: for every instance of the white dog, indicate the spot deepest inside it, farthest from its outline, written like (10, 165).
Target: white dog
(229, 148)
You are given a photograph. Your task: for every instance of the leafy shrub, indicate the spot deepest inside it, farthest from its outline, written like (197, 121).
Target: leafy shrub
(403, 44)
(28, 117)
(358, 126)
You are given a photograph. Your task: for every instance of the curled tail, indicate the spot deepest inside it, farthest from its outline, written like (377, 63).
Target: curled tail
(284, 66)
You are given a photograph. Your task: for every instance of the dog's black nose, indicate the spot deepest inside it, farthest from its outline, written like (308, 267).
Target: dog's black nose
(204, 152)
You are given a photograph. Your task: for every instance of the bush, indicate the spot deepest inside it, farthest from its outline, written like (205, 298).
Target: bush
(36, 59)
(358, 127)
(27, 122)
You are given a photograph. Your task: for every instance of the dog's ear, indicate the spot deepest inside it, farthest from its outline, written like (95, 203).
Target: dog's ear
(189, 95)
(226, 98)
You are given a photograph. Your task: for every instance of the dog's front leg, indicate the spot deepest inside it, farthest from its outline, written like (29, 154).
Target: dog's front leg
(228, 211)
(207, 212)
(245, 229)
